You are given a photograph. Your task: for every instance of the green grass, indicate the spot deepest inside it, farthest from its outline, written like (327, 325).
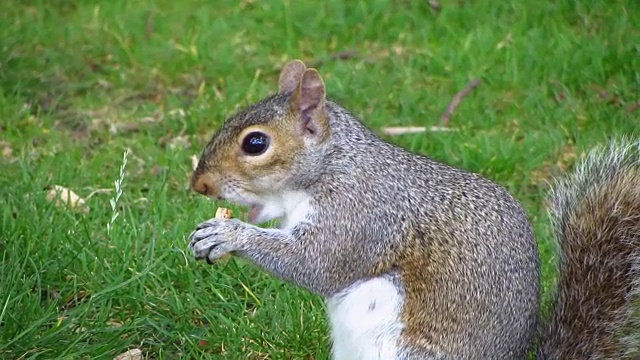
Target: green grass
(83, 81)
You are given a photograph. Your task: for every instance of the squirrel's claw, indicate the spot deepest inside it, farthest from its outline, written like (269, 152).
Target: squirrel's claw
(213, 239)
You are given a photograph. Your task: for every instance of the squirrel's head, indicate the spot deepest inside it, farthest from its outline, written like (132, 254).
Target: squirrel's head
(254, 155)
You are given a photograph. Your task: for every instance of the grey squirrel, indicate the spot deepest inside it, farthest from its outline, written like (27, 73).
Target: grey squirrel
(418, 259)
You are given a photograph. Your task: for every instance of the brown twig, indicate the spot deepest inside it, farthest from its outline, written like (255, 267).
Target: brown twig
(317, 62)
(342, 55)
(455, 102)
(559, 90)
(401, 130)
(149, 23)
(98, 191)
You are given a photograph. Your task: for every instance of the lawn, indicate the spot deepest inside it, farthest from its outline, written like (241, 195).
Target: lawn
(85, 85)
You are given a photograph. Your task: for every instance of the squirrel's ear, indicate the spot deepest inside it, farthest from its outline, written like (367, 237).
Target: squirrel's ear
(290, 77)
(309, 103)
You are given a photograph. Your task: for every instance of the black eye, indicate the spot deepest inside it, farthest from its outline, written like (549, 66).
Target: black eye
(255, 143)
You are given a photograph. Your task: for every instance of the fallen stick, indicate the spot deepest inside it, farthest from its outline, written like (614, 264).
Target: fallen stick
(455, 102)
(342, 55)
(401, 130)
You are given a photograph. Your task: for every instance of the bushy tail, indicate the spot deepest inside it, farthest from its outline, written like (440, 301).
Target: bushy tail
(596, 213)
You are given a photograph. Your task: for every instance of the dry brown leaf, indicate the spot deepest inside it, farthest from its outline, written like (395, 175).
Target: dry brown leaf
(74, 299)
(635, 106)
(567, 157)
(203, 343)
(181, 141)
(65, 197)
(114, 323)
(126, 127)
(133, 354)
(219, 95)
(6, 150)
(506, 41)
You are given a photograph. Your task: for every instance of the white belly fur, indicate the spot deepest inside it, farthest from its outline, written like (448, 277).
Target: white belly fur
(365, 320)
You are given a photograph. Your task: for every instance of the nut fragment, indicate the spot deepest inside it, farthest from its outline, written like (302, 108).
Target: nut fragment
(224, 213)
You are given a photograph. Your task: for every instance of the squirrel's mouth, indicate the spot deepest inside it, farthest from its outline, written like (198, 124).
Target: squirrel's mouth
(254, 213)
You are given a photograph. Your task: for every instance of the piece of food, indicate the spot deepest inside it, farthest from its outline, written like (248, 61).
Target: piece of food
(224, 213)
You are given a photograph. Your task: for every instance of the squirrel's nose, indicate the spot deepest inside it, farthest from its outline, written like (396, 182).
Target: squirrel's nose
(205, 185)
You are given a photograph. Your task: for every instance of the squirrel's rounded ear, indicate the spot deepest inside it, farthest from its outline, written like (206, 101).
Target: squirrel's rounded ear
(290, 77)
(309, 101)
(312, 91)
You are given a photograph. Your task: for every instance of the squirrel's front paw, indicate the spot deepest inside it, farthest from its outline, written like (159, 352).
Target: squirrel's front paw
(214, 238)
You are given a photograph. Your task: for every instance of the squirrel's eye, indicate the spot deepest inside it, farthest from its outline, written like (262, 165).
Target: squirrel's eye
(255, 143)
